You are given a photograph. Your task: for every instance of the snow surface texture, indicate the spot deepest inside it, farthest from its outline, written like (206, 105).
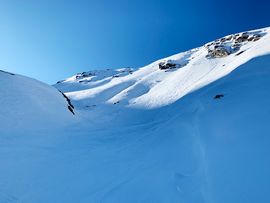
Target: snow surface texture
(144, 135)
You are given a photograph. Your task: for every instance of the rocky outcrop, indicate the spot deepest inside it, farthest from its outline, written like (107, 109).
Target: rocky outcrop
(218, 52)
(167, 65)
(170, 64)
(84, 75)
(70, 106)
(231, 44)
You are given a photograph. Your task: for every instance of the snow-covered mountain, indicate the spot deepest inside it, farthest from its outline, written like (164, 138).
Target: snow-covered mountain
(167, 80)
(193, 127)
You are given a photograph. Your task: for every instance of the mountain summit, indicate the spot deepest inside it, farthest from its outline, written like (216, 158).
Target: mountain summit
(193, 127)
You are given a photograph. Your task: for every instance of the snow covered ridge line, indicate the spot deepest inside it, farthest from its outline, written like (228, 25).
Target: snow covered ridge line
(167, 80)
(69, 104)
(6, 72)
(26, 102)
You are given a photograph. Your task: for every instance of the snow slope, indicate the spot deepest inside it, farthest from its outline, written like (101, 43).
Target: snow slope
(150, 87)
(27, 103)
(145, 135)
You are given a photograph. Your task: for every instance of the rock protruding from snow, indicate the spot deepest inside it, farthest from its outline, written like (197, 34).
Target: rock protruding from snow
(230, 44)
(69, 104)
(96, 75)
(219, 51)
(171, 64)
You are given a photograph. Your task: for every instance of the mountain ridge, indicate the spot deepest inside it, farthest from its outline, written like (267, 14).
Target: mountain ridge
(178, 74)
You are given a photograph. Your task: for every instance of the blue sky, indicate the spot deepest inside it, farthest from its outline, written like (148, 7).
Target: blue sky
(52, 39)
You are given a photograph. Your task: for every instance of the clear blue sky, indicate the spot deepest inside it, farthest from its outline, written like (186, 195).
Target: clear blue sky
(52, 39)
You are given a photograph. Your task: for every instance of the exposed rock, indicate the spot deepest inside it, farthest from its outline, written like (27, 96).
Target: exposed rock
(218, 52)
(84, 75)
(223, 39)
(166, 65)
(229, 38)
(239, 53)
(218, 96)
(235, 36)
(255, 37)
(60, 81)
(71, 110)
(242, 38)
(231, 44)
(169, 64)
(236, 45)
(70, 106)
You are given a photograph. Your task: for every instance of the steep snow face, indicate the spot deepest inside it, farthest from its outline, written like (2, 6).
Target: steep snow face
(27, 104)
(167, 80)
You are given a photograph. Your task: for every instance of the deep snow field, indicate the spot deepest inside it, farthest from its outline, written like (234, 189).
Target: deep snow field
(194, 131)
